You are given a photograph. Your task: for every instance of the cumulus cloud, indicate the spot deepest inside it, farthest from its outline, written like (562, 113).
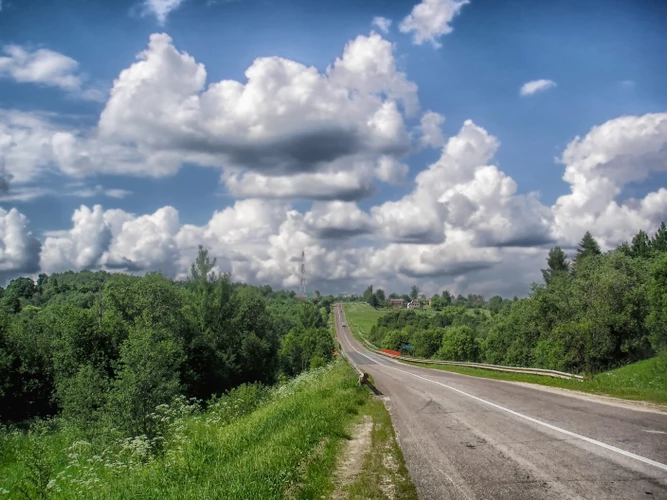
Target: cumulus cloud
(45, 67)
(288, 131)
(535, 86)
(390, 170)
(381, 23)
(599, 166)
(161, 8)
(461, 191)
(19, 249)
(430, 20)
(337, 219)
(431, 130)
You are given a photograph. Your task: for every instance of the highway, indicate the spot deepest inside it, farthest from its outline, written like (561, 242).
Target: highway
(472, 438)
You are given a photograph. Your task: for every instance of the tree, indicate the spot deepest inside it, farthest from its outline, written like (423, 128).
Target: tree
(437, 303)
(373, 300)
(588, 246)
(659, 240)
(317, 294)
(641, 245)
(495, 303)
(459, 344)
(427, 342)
(394, 295)
(447, 297)
(557, 264)
(414, 292)
(201, 269)
(149, 376)
(657, 295)
(367, 293)
(379, 293)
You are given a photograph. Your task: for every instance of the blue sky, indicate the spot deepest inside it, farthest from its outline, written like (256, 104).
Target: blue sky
(602, 64)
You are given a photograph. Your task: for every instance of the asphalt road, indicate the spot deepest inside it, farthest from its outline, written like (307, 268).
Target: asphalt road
(474, 438)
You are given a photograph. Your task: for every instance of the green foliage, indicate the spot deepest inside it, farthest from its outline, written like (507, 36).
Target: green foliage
(253, 442)
(427, 342)
(414, 292)
(610, 310)
(557, 264)
(588, 247)
(459, 344)
(657, 296)
(147, 377)
(305, 348)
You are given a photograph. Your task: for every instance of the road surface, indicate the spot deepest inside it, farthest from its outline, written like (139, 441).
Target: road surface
(474, 438)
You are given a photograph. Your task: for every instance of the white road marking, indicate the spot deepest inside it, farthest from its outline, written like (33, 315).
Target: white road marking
(606, 446)
(655, 432)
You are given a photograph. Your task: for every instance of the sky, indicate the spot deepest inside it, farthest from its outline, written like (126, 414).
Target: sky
(447, 143)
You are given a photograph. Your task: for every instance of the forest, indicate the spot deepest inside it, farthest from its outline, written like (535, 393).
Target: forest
(102, 351)
(595, 312)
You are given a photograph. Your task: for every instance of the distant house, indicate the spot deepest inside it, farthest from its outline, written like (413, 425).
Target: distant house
(398, 303)
(414, 304)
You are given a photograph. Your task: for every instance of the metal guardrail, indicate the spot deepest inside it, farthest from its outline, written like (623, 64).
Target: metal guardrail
(484, 366)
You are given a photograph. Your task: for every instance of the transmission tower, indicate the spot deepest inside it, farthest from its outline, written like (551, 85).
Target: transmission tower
(302, 286)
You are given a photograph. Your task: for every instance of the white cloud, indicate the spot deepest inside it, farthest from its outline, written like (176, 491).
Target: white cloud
(390, 170)
(381, 23)
(430, 20)
(535, 86)
(431, 130)
(161, 8)
(89, 192)
(46, 67)
(19, 249)
(337, 219)
(286, 119)
(599, 166)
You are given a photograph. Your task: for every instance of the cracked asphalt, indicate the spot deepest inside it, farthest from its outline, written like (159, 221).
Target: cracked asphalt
(473, 438)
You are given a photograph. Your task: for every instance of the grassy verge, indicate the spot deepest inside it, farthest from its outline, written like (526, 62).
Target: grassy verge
(383, 473)
(286, 447)
(642, 381)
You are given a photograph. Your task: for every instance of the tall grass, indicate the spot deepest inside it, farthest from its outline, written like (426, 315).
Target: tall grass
(252, 443)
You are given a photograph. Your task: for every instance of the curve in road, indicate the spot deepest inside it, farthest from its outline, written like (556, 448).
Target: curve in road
(468, 437)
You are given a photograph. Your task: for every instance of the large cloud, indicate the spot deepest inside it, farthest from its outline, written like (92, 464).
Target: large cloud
(462, 191)
(599, 166)
(287, 118)
(19, 249)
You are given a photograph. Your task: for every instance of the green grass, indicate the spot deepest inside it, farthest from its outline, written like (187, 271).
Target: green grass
(645, 380)
(362, 317)
(288, 447)
(383, 473)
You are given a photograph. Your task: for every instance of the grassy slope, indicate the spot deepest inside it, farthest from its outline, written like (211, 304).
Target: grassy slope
(645, 380)
(288, 448)
(362, 317)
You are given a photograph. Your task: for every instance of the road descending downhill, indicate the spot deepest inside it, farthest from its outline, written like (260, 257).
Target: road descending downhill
(473, 438)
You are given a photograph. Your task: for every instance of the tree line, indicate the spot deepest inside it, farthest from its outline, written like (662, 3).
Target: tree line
(104, 350)
(594, 312)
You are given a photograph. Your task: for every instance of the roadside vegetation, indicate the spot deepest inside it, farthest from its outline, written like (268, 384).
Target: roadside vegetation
(109, 381)
(254, 442)
(603, 315)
